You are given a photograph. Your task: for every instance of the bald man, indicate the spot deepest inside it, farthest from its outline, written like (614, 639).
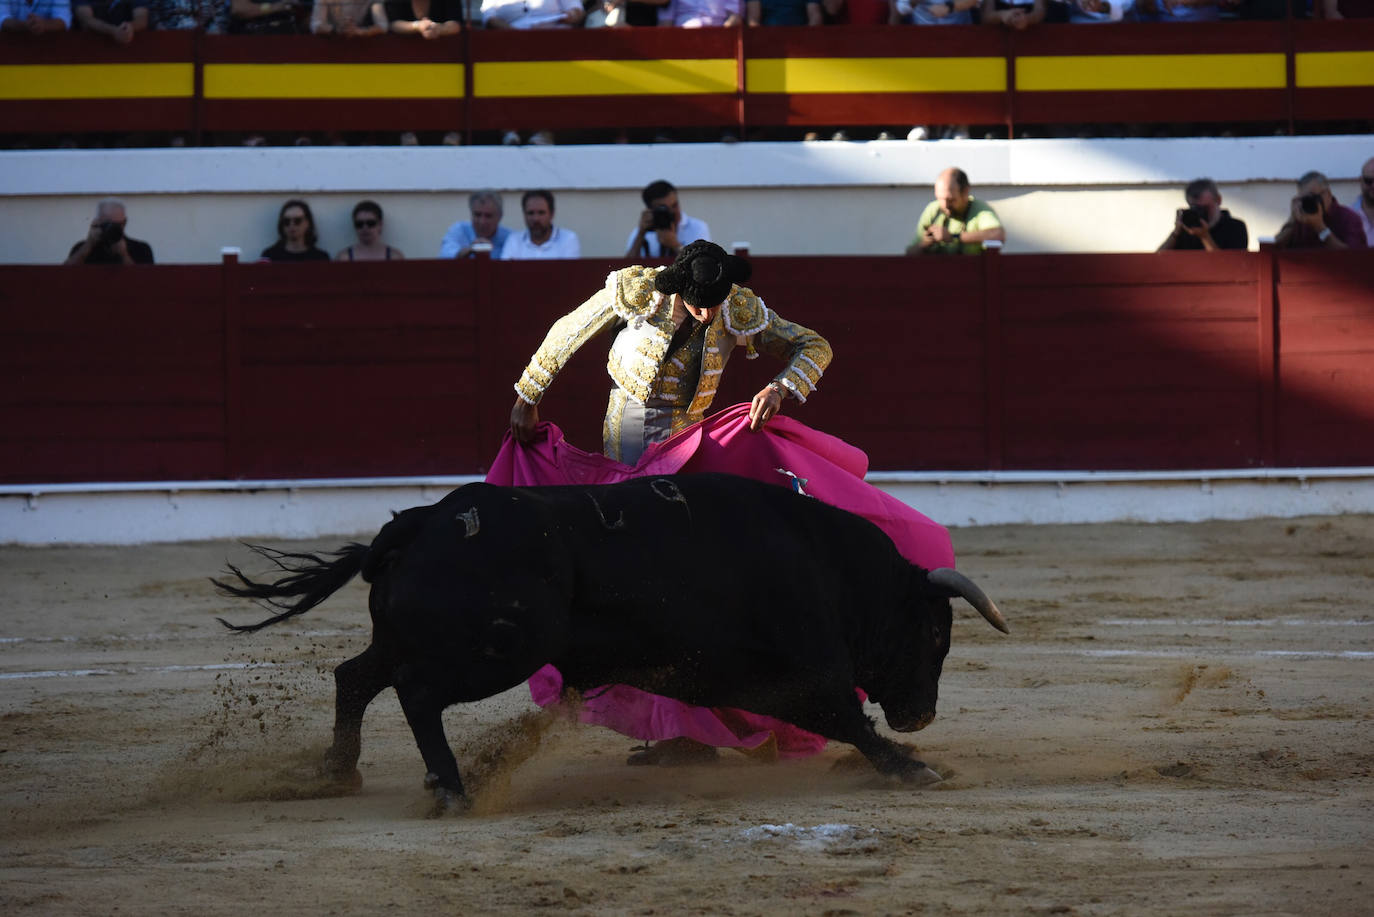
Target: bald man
(955, 223)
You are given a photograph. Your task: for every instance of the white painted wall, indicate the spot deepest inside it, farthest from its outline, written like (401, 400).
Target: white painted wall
(794, 198)
(139, 513)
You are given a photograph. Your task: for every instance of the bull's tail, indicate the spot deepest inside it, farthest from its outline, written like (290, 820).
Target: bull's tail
(309, 580)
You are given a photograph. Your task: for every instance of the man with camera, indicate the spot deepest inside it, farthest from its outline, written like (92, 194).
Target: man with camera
(1203, 224)
(663, 230)
(106, 242)
(1318, 221)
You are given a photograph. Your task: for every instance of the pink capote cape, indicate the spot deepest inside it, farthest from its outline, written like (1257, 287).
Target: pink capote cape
(828, 468)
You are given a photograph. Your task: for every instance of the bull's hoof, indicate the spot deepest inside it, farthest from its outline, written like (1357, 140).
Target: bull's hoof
(348, 777)
(446, 801)
(919, 775)
(674, 753)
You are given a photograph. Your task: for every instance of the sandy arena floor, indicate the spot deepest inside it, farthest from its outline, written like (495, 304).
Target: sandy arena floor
(1180, 723)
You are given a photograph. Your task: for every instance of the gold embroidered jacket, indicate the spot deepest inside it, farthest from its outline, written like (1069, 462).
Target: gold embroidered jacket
(637, 359)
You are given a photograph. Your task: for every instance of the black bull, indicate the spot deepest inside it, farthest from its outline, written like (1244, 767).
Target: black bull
(713, 589)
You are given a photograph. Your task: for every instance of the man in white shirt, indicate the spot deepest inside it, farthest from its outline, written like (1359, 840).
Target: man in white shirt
(663, 228)
(1366, 200)
(541, 239)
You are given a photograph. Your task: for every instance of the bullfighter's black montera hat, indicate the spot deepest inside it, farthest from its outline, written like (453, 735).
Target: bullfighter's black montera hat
(703, 273)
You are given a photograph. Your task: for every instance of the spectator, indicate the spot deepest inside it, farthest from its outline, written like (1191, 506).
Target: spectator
(1017, 15)
(116, 19)
(783, 12)
(210, 15)
(1318, 221)
(933, 12)
(105, 242)
(622, 13)
(367, 223)
(35, 16)
(1180, 11)
(1089, 11)
(295, 235)
(698, 14)
(486, 210)
(541, 239)
(663, 228)
(349, 18)
(532, 14)
(856, 12)
(1366, 208)
(1203, 224)
(413, 17)
(275, 17)
(955, 223)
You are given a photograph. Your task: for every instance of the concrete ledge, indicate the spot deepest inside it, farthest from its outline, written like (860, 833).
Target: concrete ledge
(126, 514)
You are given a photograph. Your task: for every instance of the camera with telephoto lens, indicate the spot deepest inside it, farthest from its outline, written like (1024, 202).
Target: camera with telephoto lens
(110, 233)
(1191, 217)
(663, 217)
(1310, 203)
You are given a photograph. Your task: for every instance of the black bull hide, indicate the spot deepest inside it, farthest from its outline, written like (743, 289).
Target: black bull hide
(713, 589)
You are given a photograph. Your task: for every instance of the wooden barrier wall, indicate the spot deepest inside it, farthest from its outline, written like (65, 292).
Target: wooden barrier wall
(1151, 361)
(1280, 72)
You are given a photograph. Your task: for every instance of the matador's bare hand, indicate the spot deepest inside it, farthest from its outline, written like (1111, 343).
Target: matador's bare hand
(524, 417)
(764, 408)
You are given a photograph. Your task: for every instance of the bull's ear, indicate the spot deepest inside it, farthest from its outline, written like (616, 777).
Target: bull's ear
(955, 583)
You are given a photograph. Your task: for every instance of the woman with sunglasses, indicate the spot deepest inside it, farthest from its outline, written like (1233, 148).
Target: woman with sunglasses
(295, 235)
(367, 223)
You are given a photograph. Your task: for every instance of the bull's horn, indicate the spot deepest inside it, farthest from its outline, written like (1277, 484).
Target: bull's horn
(959, 584)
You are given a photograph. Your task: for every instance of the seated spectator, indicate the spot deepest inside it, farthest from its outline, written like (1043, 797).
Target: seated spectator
(296, 236)
(1088, 11)
(35, 16)
(423, 18)
(1179, 11)
(105, 242)
(118, 20)
(663, 228)
(618, 14)
(486, 210)
(541, 239)
(275, 17)
(532, 14)
(1203, 224)
(1366, 208)
(1318, 221)
(700, 14)
(933, 12)
(210, 15)
(367, 223)
(349, 18)
(955, 223)
(783, 12)
(1013, 14)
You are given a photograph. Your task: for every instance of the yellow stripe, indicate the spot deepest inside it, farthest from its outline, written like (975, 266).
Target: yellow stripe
(97, 81)
(333, 81)
(1151, 71)
(876, 74)
(1334, 68)
(524, 79)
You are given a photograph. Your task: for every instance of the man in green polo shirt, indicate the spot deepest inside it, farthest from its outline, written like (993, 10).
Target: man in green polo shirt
(955, 223)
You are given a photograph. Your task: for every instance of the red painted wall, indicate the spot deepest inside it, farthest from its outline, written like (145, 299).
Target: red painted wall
(1149, 361)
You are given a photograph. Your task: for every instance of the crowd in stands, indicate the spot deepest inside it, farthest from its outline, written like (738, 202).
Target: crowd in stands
(122, 19)
(956, 222)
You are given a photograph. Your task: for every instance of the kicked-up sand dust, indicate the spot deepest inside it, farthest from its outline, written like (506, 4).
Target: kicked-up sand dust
(1179, 723)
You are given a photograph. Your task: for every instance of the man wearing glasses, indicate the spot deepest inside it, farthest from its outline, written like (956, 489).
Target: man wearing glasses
(106, 243)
